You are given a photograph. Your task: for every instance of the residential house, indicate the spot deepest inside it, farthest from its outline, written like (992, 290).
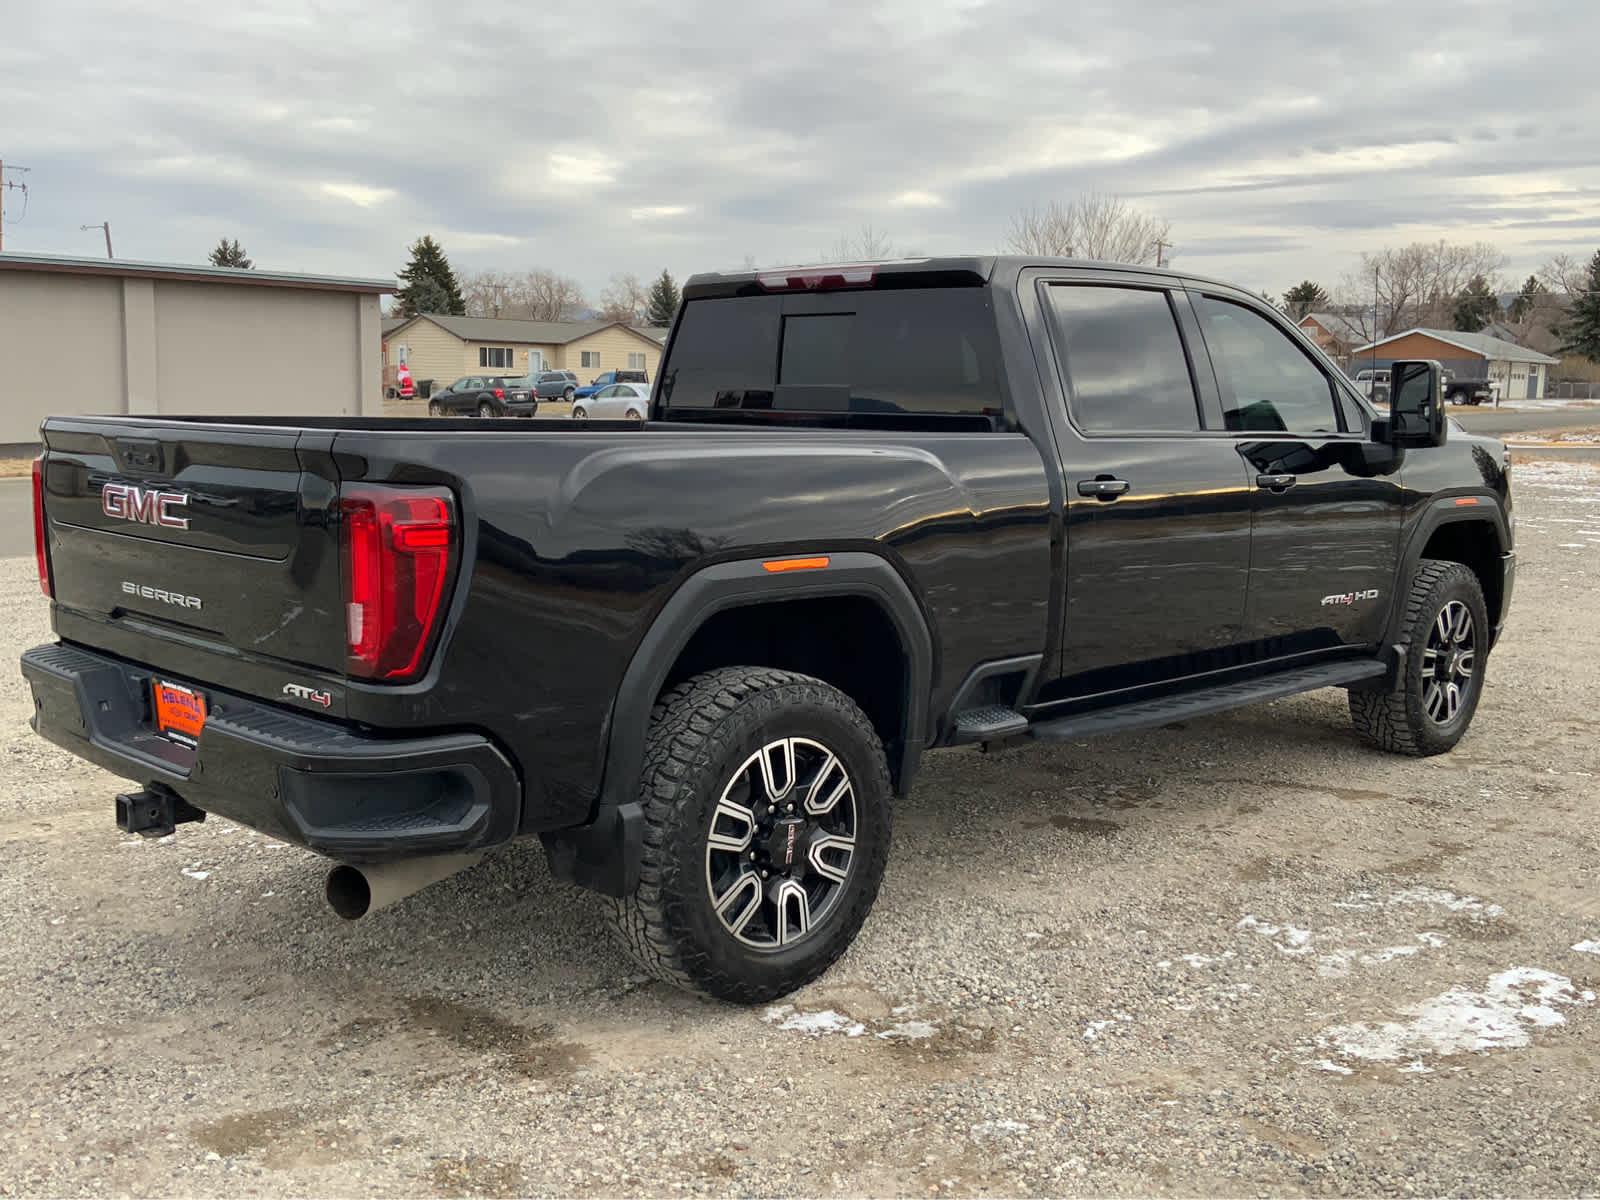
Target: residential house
(1520, 373)
(1334, 335)
(443, 348)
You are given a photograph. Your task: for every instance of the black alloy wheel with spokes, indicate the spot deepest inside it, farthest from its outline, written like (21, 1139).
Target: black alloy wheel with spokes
(1448, 663)
(781, 842)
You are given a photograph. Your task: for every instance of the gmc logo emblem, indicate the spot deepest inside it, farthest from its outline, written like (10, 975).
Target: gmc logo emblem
(148, 506)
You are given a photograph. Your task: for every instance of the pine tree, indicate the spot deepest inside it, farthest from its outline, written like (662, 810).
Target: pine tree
(1476, 306)
(1303, 298)
(429, 285)
(663, 300)
(1580, 332)
(230, 254)
(1527, 299)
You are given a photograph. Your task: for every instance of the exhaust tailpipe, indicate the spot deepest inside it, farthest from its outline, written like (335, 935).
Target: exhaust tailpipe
(353, 892)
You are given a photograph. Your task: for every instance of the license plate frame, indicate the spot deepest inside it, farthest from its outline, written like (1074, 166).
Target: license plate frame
(179, 712)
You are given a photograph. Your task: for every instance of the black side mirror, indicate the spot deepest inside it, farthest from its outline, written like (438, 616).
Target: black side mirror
(1416, 403)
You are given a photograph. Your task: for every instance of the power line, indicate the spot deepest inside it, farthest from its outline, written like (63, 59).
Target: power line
(10, 185)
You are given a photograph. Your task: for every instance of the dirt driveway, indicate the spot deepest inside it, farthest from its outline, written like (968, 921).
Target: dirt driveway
(1240, 956)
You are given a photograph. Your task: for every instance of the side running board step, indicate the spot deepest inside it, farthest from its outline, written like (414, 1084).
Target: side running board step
(1147, 714)
(991, 723)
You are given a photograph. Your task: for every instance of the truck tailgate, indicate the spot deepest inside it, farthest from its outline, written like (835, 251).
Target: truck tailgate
(202, 535)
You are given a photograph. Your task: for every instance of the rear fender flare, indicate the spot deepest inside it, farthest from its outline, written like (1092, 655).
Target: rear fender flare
(745, 582)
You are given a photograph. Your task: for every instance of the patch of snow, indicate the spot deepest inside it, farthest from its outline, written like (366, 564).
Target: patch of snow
(1286, 938)
(813, 1023)
(1573, 546)
(1164, 963)
(193, 874)
(1323, 1064)
(1589, 947)
(1203, 960)
(1093, 1032)
(1422, 895)
(1503, 1015)
(1032, 936)
(910, 1030)
(992, 1130)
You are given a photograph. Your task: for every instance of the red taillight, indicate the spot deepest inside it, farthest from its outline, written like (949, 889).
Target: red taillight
(499, 393)
(39, 548)
(399, 554)
(817, 279)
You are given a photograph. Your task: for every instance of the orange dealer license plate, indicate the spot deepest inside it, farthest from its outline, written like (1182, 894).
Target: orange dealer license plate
(180, 712)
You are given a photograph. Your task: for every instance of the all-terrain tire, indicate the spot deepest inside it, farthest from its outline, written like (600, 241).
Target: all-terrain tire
(704, 734)
(1398, 719)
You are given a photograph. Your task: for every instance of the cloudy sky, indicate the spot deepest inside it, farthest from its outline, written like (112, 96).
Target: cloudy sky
(596, 137)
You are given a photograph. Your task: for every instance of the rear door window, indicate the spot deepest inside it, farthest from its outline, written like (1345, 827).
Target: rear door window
(1123, 360)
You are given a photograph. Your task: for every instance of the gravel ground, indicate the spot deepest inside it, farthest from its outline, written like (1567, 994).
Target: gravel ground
(1237, 957)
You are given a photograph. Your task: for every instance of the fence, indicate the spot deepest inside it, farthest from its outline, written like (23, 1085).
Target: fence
(1574, 391)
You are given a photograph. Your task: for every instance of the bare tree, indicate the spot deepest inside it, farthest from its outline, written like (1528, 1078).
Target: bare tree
(1092, 226)
(1402, 288)
(1563, 275)
(624, 299)
(552, 297)
(493, 294)
(865, 245)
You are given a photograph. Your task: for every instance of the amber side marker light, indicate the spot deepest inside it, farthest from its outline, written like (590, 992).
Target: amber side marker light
(795, 564)
(1461, 500)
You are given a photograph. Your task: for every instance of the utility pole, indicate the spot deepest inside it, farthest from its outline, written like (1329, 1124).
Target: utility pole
(1161, 245)
(105, 225)
(9, 185)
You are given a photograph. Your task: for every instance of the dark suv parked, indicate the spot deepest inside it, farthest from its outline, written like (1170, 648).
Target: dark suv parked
(486, 396)
(555, 385)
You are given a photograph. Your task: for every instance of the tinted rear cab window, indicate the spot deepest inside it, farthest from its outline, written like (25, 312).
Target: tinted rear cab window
(926, 353)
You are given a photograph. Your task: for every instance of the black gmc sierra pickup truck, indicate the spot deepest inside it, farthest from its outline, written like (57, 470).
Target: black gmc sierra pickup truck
(877, 509)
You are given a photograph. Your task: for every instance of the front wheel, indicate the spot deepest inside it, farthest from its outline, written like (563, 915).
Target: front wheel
(580, 413)
(1446, 639)
(435, 409)
(766, 802)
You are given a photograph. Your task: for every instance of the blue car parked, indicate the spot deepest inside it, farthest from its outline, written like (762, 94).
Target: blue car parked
(607, 379)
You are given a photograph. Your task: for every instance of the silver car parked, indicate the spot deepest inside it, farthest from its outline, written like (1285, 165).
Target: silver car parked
(619, 402)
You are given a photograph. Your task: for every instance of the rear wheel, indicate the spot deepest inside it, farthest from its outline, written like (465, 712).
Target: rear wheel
(434, 409)
(636, 416)
(767, 808)
(1446, 639)
(486, 410)
(567, 395)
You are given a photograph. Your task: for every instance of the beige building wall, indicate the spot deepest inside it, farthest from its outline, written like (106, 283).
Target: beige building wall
(60, 350)
(227, 349)
(432, 352)
(612, 347)
(522, 357)
(148, 344)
